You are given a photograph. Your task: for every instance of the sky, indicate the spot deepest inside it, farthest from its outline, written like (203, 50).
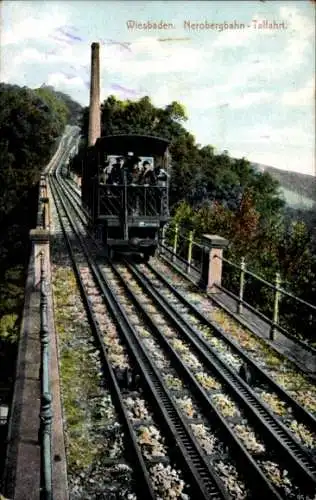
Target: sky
(243, 69)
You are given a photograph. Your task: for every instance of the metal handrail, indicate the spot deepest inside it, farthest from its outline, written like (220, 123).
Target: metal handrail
(265, 318)
(181, 259)
(270, 285)
(191, 243)
(278, 290)
(46, 398)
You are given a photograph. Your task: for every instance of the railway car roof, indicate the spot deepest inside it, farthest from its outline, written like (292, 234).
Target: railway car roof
(141, 145)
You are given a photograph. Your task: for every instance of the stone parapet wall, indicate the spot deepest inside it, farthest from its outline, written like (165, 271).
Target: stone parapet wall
(22, 475)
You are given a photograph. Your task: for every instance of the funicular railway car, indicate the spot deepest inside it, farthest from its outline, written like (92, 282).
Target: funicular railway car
(125, 191)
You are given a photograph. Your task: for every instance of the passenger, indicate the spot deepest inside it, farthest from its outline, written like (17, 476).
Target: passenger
(158, 166)
(116, 176)
(162, 175)
(106, 173)
(135, 174)
(148, 175)
(141, 170)
(131, 168)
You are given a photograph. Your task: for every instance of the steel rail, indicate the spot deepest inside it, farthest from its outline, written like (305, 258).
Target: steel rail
(300, 411)
(294, 456)
(205, 481)
(254, 473)
(277, 438)
(140, 469)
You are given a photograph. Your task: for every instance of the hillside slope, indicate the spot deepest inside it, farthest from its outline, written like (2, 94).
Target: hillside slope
(302, 186)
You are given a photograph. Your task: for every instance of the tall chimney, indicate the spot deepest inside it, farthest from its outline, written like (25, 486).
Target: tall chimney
(94, 110)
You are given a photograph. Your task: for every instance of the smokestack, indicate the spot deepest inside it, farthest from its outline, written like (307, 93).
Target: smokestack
(94, 110)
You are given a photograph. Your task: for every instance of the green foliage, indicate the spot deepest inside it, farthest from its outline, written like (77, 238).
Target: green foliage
(138, 117)
(30, 123)
(9, 328)
(59, 110)
(72, 108)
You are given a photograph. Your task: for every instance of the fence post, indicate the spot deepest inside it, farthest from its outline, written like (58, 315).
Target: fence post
(277, 296)
(175, 242)
(190, 251)
(242, 285)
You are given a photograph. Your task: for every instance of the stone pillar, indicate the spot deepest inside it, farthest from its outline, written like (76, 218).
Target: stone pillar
(213, 246)
(94, 110)
(40, 244)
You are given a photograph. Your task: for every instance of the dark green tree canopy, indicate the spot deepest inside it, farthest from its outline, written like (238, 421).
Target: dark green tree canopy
(31, 121)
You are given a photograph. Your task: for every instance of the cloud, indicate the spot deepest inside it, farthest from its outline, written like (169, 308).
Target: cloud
(249, 98)
(148, 56)
(155, 59)
(120, 88)
(69, 56)
(222, 96)
(270, 66)
(285, 137)
(304, 96)
(62, 80)
(66, 32)
(33, 28)
(235, 37)
(299, 24)
(31, 55)
(301, 30)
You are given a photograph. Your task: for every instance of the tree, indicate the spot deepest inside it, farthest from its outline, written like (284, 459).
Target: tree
(31, 121)
(67, 106)
(58, 108)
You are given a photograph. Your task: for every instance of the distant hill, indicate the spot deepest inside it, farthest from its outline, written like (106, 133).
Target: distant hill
(299, 190)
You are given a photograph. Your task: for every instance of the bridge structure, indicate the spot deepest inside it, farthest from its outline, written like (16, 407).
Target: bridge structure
(138, 380)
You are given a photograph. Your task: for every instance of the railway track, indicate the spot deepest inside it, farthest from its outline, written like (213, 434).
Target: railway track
(299, 462)
(205, 328)
(203, 482)
(288, 450)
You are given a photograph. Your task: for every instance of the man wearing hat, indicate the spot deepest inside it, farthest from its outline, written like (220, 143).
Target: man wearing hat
(148, 174)
(116, 176)
(131, 168)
